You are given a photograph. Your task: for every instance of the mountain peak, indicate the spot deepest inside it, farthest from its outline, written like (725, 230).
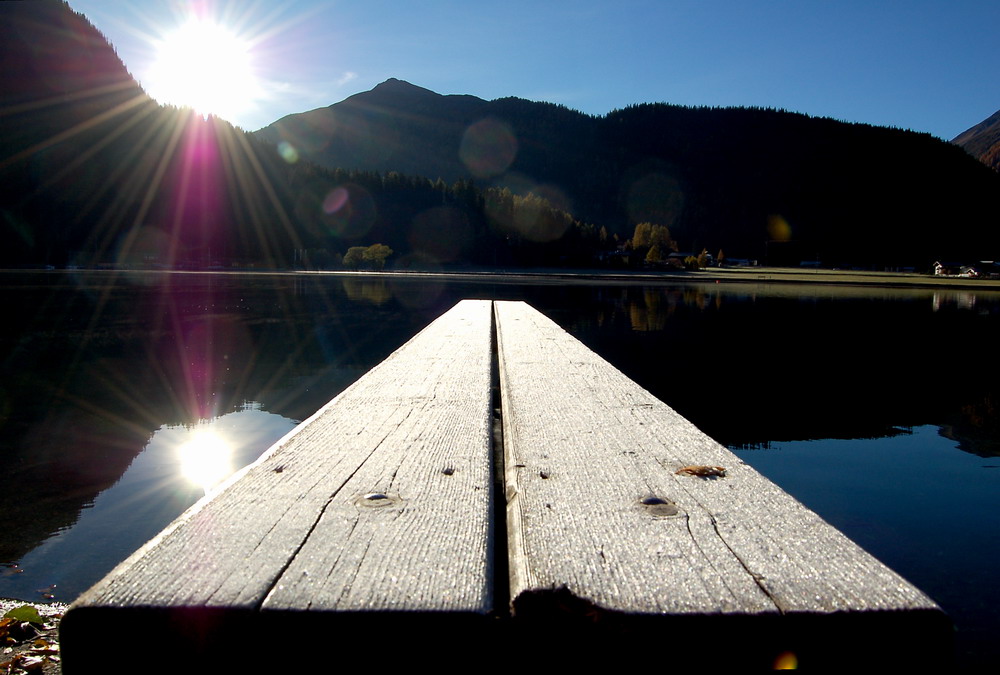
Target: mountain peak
(398, 88)
(399, 85)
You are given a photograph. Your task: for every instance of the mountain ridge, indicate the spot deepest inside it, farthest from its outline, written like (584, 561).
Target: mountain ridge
(982, 141)
(591, 167)
(92, 171)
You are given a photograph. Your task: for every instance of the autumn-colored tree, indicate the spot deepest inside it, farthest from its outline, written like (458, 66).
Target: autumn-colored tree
(373, 256)
(354, 257)
(641, 236)
(376, 254)
(660, 236)
(703, 258)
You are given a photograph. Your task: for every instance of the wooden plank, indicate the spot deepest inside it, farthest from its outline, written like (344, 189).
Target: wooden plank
(603, 529)
(379, 503)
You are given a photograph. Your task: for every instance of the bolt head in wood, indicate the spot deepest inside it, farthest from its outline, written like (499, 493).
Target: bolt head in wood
(657, 506)
(377, 500)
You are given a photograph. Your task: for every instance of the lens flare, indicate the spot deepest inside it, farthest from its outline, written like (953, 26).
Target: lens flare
(778, 228)
(349, 211)
(786, 661)
(488, 148)
(335, 200)
(288, 152)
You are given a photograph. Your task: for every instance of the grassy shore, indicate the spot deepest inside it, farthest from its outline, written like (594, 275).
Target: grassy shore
(796, 275)
(737, 275)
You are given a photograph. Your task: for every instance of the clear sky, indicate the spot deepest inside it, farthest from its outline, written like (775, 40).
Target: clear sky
(925, 65)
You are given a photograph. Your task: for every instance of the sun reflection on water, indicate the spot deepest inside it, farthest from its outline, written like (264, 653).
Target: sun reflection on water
(206, 459)
(179, 464)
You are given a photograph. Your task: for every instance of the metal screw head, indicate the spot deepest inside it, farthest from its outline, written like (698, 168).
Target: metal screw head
(656, 506)
(377, 499)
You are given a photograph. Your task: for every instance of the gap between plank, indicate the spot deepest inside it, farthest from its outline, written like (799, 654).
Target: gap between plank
(501, 552)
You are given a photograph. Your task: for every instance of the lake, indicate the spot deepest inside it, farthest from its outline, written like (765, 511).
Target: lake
(878, 408)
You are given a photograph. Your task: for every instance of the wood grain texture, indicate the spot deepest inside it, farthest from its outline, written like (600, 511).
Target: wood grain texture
(585, 446)
(295, 531)
(374, 517)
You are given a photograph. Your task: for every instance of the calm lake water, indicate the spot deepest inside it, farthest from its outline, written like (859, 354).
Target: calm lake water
(877, 408)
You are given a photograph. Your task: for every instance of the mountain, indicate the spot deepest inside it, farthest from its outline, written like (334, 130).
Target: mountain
(983, 141)
(767, 184)
(400, 127)
(374, 130)
(93, 172)
(67, 102)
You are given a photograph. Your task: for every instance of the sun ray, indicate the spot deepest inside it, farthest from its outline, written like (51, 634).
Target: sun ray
(120, 129)
(75, 130)
(67, 97)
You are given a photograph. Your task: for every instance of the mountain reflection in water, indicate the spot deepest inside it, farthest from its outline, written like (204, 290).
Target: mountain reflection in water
(160, 483)
(875, 407)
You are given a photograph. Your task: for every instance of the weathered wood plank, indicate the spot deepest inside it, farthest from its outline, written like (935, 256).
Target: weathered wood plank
(373, 516)
(380, 502)
(585, 447)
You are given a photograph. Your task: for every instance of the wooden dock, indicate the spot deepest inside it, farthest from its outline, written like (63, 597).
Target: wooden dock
(496, 490)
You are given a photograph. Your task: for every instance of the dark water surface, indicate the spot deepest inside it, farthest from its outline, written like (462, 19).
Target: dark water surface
(878, 408)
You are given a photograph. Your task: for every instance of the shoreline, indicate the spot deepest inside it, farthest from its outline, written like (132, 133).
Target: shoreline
(735, 275)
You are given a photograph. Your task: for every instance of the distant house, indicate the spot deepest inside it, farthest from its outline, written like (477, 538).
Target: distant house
(951, 269)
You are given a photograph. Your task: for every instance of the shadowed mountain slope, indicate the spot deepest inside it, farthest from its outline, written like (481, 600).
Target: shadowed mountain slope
(777, 186)
(92, 171)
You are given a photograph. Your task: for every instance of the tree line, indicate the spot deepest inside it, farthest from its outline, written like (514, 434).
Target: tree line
(93, 172)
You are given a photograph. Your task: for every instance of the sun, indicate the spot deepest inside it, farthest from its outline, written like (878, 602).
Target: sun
(205, 66)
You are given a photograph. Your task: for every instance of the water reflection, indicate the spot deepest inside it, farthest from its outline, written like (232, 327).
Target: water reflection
(173, 471)
(755, 363)
(917, 505)
(962, 300)
(373, 290)
(98, 367)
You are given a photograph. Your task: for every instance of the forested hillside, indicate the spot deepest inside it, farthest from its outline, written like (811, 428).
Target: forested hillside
(757, 183)
(93, 172)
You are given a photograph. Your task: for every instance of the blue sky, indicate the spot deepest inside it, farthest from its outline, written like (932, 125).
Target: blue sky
(914, 64)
